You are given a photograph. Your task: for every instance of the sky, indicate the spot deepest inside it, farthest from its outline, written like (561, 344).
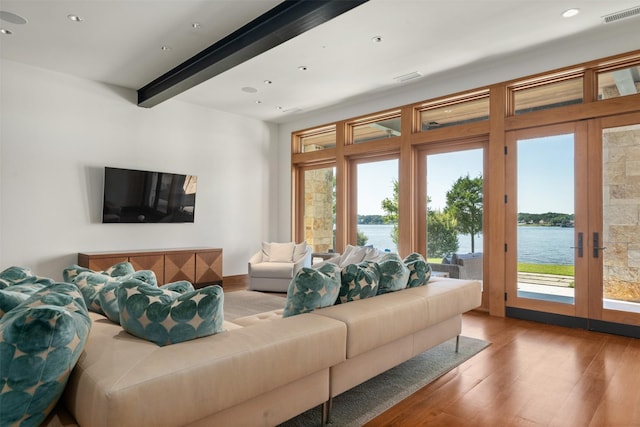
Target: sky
(545, 176)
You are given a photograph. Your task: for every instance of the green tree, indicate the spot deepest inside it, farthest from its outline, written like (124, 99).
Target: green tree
(464, 204)
(361, 238)
(442, 237)
(390, 207)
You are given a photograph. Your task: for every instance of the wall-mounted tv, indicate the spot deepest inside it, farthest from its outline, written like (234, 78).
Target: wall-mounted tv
(136, 196)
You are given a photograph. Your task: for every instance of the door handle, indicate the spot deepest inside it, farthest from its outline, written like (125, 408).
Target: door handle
(579, 247)
(596, 245)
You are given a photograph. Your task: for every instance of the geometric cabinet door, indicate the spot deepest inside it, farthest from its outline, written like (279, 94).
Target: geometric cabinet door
(208, 267)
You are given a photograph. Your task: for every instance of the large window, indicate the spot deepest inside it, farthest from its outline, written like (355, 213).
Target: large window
(378, 204)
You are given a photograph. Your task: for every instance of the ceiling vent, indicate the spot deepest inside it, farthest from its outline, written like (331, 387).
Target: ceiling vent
(623, 14)
(407, 77)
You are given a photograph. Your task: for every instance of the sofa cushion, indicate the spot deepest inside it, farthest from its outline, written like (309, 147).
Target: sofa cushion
(393, 274)
(277, 252)
(419, 270)
(312, 288)
(359, 281)
(109, 299)
(40, 342)
(167, 317)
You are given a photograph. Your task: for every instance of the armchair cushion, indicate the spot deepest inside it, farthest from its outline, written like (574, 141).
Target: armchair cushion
(277, 252)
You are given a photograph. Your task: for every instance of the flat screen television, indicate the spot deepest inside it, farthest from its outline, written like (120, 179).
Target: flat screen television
(136, 196)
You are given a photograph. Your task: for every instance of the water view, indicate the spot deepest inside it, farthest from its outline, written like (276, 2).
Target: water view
(536, 245)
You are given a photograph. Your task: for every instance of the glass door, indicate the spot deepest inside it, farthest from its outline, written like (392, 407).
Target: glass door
(546, 221)
(615, 220)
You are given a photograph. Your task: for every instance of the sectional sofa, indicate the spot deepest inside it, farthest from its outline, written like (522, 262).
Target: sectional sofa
(264, 369)
(258, 370)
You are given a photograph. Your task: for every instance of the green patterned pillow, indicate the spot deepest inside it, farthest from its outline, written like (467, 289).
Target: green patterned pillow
(312, 288)
(40, 343)
(109, 300)
(116, 270)
(359, 281)
(13, 275)
(22, 284)
(393, 274)
(167, 317)
(91, 283)
(419, 270)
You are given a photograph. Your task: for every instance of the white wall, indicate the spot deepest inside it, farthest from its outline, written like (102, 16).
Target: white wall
(57, 134)
(607, 40)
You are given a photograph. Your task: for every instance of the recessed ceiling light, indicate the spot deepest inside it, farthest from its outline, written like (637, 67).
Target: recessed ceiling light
(377, 39)
(165, 48)
(74, 18)
(570, 13)
(5, 31)
(258, 102)
(12, 17)
(268, 82)
(278, 108)
(302, 68)
(195, 25)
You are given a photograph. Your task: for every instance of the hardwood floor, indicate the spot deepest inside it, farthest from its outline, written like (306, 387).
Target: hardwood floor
(531, 375)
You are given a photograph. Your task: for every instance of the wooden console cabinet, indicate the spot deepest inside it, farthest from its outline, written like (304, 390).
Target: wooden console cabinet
(200, 266)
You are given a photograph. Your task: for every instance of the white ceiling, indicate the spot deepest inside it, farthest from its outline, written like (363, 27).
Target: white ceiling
(119, 42)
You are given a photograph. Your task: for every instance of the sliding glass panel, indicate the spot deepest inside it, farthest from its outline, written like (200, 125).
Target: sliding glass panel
(621, 218)
(320, 209)
(378, 204)
(545, 229)
(455, 213)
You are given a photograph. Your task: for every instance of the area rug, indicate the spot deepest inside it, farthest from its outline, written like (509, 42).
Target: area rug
(245, 303)
(362, 403)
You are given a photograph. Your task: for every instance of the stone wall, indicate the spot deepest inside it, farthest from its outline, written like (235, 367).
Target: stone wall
(621, 212)
(318, 209)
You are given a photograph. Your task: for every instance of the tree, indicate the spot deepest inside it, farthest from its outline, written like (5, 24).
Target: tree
(464, 204)
(361, 238)
(442, 237)
(390, 207)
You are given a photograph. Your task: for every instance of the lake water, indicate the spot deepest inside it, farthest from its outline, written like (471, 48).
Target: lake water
(538, 245)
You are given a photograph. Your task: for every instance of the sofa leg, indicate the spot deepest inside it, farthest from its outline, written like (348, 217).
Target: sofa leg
(457, 343)
(326, 411)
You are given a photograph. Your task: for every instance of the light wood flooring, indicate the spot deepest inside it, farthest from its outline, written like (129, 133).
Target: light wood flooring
(531, 375)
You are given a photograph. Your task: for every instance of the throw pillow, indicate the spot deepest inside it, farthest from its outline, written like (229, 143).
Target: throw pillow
(393, 274)
(116, 270)
(419, 270)
(13, 275)
(167, 317)
(10, 300)
(91, 283)
(40, 343)
(312, 288)
(109, 299)
(352, 255)
(359, 281)
(299, 250)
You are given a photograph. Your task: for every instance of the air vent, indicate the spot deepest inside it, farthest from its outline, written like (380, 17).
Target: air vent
(623, 14)
(407, 77)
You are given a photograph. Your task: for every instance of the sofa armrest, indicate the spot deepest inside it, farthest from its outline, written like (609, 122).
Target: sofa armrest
(255, 259)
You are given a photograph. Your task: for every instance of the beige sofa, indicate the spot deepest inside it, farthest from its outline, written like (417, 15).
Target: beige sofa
(264, 369)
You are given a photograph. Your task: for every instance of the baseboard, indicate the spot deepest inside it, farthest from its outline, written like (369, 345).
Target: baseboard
(237, 282)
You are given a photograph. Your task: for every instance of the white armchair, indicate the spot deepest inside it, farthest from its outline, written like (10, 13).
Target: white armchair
(272, 268)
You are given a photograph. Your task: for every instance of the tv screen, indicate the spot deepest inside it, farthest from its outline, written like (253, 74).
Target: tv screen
(136, 196)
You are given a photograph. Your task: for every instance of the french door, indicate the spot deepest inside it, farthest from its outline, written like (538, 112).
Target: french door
(573, 224)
